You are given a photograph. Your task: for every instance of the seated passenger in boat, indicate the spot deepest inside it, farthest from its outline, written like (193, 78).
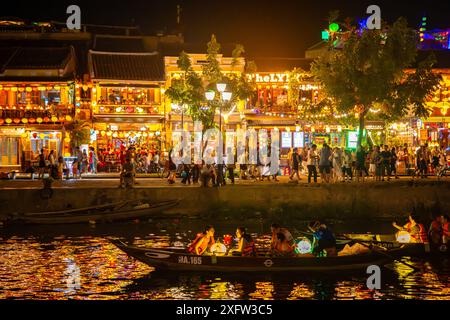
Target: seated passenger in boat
(435, 232)
(202, 242)
(282, 247)
(445, 232)
(275, 228)
(324, 239)
(246, 245)
(415, 229)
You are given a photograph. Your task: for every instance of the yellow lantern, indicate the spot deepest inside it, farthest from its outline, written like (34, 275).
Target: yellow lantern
(54, 119)
(28, 89)
(39, 120)
(24, 135)
(67, 139)
(42, 136)
(21, 89)
(14, 89)
(102, 133)
(41, 88)
(24, 120)
(57, 87)
(68, 118)
(109, 133)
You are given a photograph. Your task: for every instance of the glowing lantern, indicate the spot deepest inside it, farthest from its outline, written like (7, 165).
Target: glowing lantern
(28, 89)
(403, 237)
(54, 119)
(41, 88)
(102, 133)
(39, 120)
(109, 133)
(119, 109)
(46, 119)
(145, 134)
(218, 249)
(21, 89)
(24, 135)
(24, 120)
(16, 120)
(130, 109)
(85, 88)
(68, 118)
(114, 135)
(14, 89)
(62, 119)
(303, 246)
(34, 135)
(42, 136)
(334, 27)
(2, 121)
(57, 87)
(32, 120)
(151, 134)
(49, 87)
(67, 139)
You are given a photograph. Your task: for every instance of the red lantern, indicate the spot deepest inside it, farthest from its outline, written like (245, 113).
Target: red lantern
(62, 119)
(32, 120)
(16, 120)
(35, 135)
(46, 119)
(2, 121)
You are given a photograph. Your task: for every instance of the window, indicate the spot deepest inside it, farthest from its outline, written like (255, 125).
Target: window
(9, 151)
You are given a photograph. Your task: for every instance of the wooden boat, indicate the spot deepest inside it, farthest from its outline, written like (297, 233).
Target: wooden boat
(179, 260)
(125, 210)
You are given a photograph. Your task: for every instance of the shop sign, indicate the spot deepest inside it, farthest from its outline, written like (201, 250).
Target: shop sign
(352, 139)
(286, 139)
(269, 77)
(299, 139)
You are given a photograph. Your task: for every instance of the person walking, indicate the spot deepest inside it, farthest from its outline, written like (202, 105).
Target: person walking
(295, 163)
(42, 164)
(324, 163)
(92, 160)
(386, 163)
(312, 161)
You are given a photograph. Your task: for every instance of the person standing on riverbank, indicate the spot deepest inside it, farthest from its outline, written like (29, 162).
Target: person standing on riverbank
(295, 163)
(312, 163)
(324, 163)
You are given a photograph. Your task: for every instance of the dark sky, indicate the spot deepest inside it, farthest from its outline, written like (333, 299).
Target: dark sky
(266, 28)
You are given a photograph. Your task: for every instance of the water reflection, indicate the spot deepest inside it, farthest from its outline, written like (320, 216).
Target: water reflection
(90, 267)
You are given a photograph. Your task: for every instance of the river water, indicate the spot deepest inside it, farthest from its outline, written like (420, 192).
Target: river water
(78, 262)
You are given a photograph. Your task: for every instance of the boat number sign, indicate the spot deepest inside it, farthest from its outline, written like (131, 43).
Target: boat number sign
(189, 260)
(268, 263)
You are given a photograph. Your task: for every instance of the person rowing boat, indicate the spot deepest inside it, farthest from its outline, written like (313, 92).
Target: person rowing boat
(324, 239)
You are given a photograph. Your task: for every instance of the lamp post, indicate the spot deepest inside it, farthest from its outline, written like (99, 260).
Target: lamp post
(224, 96)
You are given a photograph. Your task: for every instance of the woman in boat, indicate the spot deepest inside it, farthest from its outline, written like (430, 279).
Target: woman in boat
(275, 228)
(203, 242)
(324, 239)
(435, 231)
(246, 245)
(415, 229)
(282, 247)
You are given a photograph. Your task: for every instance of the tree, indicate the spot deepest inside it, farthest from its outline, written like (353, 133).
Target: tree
(80, 132)
(369, 72)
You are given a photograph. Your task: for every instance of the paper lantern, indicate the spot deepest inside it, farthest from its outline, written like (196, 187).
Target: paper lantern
(218, 249)
(68, 118)
(102, 133)
(54, 119)
(39, 120)
(49, 87)
(114, 135)
(67, 139)
(62, 119)
(42, 136)
(16, 120)
(21, 89)
(41, 88)
(24, 120)
(34, 135)
(303, 246)
(28, 89)
(57, 87)
(2, 121)
(14, 89)
(24, 135)
(46, 119)
(109, 133)
(403, 237)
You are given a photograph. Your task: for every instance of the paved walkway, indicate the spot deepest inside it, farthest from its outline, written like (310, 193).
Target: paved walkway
(111, 180)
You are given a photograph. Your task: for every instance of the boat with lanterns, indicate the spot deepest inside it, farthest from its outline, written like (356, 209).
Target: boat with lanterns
(179, 260)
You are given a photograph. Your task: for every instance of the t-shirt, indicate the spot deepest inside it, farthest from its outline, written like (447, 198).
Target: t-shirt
(325, 155)
(360, 157)
(312, 158)
(385, 156)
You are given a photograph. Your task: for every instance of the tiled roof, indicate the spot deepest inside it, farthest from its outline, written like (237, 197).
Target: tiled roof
(126, 66)
(40, 58)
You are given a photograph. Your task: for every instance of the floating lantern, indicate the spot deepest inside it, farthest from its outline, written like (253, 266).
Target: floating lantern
(24, 120)
(39, 120)
(303, 246)
(218, 249)
(403, 237)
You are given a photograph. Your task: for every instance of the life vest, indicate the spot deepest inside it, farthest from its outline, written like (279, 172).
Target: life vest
(284, 248)
(421, 237)
(249, 247)
(445, 231)
(204, 244)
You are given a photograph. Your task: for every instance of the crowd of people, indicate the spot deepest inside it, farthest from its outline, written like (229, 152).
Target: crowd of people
(381, 163)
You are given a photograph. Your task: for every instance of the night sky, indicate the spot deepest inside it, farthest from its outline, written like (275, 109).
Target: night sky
(279, 28)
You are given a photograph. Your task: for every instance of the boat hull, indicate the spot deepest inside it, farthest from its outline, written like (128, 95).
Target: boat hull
(80, 217)
(181, 261)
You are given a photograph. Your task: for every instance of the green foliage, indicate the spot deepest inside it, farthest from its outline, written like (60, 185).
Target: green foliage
(369, 70)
